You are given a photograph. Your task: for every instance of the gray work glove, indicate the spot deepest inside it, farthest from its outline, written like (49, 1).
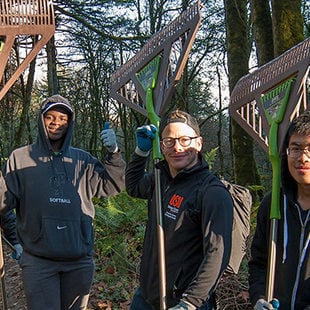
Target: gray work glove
(183, 305)
(108, 138)
(262, 304)
(18, 252)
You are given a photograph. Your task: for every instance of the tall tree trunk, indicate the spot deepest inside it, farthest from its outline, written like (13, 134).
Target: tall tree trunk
(52, 79)
(262, 30)
(219, 132)
(238, 50)
(26, 91)
(287, 24)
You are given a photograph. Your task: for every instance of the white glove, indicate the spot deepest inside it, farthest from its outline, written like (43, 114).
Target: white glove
(183, 305)
(262, 304)
(108, 139)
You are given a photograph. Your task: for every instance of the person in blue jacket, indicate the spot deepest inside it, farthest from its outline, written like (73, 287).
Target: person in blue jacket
(197, 217)
(51, 184)
(292, 265)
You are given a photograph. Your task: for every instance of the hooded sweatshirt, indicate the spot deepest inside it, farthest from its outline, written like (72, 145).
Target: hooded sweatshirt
(292, 269)
(197, 223)
(52, 193)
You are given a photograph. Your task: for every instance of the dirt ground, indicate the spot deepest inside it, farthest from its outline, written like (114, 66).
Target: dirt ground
(15, 298)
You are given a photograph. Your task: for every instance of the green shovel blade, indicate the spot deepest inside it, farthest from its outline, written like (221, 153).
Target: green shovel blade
(274, 105)
(148, 79)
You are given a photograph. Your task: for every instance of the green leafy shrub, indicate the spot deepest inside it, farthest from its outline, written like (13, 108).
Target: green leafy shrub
(119, 230)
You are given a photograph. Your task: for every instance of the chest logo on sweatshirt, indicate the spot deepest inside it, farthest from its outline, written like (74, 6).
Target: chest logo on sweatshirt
(57, 183)
(176, 201)
(174, 206)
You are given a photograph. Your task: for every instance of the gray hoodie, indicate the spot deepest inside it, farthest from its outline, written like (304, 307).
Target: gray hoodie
(52, 193)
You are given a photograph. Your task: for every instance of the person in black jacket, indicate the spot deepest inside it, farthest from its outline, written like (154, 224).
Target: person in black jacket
(197, 217)
(51, 186)
(8, 226)
(292, 269)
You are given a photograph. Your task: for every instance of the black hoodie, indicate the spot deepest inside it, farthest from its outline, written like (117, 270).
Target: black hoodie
(292, 271)
(52, 193)
(197, 220)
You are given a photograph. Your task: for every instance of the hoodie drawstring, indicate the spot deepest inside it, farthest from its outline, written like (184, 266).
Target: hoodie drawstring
(302, 248)
(285, 230)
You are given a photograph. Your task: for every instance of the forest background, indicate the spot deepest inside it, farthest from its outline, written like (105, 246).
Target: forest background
(92, 40)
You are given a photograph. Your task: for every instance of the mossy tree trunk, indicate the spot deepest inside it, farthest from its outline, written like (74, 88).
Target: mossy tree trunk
(287, 24)
(238, 50)
(262, 30)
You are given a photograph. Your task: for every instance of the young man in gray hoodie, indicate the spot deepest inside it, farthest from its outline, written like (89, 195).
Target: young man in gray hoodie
(51, 185)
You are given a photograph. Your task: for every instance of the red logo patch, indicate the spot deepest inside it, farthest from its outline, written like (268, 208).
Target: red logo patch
(176, 201)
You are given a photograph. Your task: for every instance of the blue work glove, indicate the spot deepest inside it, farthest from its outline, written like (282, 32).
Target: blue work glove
(108, 138)
(262, 304)
(144, 137)
(183, 305)
(18, 252)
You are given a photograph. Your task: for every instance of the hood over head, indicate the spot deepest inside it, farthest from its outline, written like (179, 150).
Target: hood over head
(58, 103)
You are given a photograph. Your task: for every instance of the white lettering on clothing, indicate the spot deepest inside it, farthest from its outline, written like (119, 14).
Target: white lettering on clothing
(172, 212)
(59, 200)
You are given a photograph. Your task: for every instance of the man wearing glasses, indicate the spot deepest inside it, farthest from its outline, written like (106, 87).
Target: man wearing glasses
(197, 217)
(292, 273)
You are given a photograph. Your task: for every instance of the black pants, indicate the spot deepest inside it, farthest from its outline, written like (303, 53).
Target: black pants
(56, 285)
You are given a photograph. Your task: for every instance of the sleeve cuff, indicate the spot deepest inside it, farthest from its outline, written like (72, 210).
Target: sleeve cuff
(114, 150)
(142, 153)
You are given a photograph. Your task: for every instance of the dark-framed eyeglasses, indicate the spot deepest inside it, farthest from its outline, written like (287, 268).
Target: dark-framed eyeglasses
(183, 141)
(295, 152)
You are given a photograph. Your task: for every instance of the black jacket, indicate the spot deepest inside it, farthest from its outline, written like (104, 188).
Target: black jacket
(8, 225)
(292, 271)
(197, 234)
(288, 276)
